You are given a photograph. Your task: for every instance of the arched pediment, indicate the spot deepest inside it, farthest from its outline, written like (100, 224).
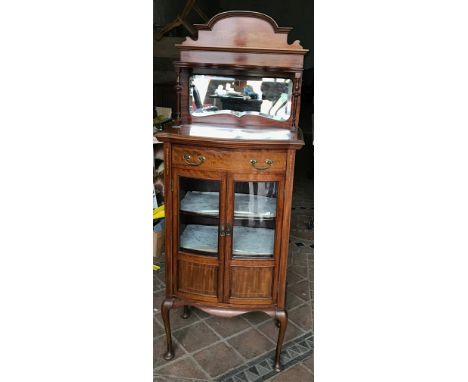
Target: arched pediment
(242, 31)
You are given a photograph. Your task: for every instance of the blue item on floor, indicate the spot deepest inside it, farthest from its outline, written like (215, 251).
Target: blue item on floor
(158, 227)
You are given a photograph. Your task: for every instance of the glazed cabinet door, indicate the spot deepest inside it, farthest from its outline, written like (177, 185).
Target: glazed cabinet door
(253, 238)
(199, 211)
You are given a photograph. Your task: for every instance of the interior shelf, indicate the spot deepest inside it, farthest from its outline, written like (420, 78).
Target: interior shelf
(246, 240)
(245, 205)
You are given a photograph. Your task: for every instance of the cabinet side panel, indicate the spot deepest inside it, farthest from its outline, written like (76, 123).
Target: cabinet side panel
(288, 188)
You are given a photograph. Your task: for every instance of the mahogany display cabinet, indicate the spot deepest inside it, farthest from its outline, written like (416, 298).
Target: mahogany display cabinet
(229, 170)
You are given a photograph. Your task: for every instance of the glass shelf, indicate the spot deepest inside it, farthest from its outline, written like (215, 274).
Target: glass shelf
(201, 238)
(253, 241)
(245, 205)
(202, 203)
(247, 241)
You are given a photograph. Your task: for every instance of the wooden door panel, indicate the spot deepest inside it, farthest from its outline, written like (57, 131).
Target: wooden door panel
(197, 278)
(251, 285)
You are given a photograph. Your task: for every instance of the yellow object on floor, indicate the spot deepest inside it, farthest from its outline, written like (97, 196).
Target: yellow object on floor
(158, 213)
(156, 267)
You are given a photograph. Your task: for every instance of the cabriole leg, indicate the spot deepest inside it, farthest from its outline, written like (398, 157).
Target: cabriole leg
(282, 319)
(186, 313)
(166, 306)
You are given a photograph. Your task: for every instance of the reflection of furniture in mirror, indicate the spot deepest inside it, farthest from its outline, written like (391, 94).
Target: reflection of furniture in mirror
(278, 105)
(238, 103)
(277, 93)
(213, 84)
(230, 174)
(196, 97)
(199, 107)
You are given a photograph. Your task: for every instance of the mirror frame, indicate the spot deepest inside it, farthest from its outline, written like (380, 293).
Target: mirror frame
(184, 70)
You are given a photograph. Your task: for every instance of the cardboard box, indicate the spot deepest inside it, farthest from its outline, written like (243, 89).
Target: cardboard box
(158, 243)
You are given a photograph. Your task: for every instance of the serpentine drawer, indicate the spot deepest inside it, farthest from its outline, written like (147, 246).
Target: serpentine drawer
(245, 161)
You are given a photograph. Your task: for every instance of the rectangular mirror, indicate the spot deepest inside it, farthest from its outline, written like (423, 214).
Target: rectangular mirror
(237, 95)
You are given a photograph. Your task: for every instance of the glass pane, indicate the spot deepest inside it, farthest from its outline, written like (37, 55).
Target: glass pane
(240, 95)
(199, 216)
(254, 219)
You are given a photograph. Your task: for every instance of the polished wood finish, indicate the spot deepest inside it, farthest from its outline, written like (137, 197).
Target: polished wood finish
(166, 306)
(236, 161)
(282, 322)
(230, 149)
(251, 282)
(231, 136)
(197, 278)
(242, 37)
(233, 58)
(286, 221)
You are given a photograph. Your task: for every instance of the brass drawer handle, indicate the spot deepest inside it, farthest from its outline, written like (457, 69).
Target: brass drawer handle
(188, 160)
(268, 163)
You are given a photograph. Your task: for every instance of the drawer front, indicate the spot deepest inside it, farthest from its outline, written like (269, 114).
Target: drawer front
(245, 161)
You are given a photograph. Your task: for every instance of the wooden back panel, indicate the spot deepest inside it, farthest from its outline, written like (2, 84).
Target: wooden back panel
(244, 32)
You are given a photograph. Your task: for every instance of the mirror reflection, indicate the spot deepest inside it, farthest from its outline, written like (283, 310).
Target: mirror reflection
(268, 97)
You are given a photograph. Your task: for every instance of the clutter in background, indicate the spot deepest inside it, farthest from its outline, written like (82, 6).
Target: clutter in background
(161, 116)
(158, 237)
